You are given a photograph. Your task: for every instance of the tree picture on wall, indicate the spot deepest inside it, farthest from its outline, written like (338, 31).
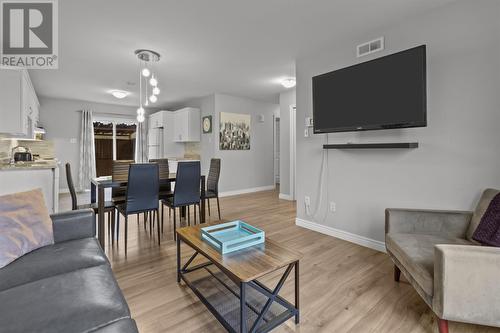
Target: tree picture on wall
(234, 132)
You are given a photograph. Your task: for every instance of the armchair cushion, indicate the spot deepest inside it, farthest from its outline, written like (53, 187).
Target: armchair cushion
(416, 253)
(481, 208)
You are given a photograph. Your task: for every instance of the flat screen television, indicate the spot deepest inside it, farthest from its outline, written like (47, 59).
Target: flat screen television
(388, 92)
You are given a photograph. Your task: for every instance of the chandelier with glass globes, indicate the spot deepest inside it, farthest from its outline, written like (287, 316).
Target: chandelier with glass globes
(148, 80)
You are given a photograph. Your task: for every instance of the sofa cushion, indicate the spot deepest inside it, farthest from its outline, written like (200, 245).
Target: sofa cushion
(121, 326)
(481, 208)
(25, 225)
(79, 301)
(416, 253)
(52, 260)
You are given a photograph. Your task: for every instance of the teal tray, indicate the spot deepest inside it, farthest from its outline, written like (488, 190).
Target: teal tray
(232, 236)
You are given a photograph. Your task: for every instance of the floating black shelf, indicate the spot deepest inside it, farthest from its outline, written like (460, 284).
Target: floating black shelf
(395, 145)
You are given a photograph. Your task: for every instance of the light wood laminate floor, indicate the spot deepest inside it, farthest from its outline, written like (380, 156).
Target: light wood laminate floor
(344, 287)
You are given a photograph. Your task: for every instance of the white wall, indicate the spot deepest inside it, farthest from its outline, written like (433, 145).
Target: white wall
(458, 154)
(240, 169)
(286, 100)
(62, 121)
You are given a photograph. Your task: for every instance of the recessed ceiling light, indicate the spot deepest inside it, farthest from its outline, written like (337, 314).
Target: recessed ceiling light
(288, 83)
(119, 93)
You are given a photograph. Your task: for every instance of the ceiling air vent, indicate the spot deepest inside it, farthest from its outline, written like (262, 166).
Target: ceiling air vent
(370, 47)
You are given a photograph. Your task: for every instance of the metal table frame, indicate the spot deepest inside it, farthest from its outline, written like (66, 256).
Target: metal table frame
(292, 310)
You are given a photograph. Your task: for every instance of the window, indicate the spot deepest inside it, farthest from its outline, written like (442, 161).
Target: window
(114, 139)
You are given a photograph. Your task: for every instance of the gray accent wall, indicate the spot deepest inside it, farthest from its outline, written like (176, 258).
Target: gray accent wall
(458, 154)
(62, 121)
(287, 99)
(240, 169)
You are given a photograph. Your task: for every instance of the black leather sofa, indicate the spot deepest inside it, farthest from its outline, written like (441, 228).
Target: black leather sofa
(65, 287)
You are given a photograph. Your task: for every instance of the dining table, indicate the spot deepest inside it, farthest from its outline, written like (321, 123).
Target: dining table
(99, 184)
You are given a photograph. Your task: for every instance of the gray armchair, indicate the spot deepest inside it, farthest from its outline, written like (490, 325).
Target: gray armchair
(454, 275)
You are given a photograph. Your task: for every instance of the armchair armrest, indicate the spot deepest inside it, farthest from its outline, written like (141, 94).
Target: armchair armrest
(422, 221)
(466, 287)
(74, 224)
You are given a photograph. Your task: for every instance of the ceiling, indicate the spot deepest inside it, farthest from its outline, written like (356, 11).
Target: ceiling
(238, 47)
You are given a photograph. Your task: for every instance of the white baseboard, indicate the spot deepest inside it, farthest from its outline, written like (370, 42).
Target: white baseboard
(285, 197)
(247, 190)
(347, 236)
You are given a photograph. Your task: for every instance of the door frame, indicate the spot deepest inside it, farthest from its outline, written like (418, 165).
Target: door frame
(293, 149)
(275, 143)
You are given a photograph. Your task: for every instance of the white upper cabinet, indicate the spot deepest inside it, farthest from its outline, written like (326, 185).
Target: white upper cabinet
(19, 107)
(187, 125)
(157, 120)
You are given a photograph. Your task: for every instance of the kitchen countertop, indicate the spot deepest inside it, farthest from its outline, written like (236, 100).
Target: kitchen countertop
(183, 159)
(34, 165)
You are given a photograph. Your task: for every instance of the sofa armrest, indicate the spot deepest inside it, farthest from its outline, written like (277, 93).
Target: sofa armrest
(421, 221)
(466, 287)
(74, 224)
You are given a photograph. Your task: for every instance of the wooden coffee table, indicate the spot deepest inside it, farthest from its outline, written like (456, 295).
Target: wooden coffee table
(228, 284)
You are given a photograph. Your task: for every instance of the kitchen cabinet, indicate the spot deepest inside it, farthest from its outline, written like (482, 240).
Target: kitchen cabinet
(19, 106)
(187, 125)
(157, 119)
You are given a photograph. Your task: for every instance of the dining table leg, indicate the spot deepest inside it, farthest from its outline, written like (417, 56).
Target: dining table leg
(100, 215)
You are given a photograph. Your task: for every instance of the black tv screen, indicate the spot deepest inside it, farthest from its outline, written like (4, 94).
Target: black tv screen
(388, 92)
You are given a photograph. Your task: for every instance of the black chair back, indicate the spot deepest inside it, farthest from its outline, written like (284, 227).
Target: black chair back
(120, 173)
(163, 172)
(213, 176)
(187, 184)
(142, 188)
(71, 187)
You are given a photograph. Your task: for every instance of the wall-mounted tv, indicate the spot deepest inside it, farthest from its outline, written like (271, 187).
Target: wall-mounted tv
(388, 92)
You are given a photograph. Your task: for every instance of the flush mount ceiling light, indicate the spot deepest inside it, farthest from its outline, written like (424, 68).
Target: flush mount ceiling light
(288, 83)
(119, 93)
(146, 60)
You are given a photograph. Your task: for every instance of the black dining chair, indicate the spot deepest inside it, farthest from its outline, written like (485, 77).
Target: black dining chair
(141, 195)
(212, 190)
(109, 206)
(186, 191)
(165, 185)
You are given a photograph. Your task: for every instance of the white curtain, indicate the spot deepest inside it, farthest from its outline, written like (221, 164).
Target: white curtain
(141, 145)
(87, 151)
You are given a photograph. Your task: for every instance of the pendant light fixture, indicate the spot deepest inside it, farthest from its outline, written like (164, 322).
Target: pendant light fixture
(147, 78)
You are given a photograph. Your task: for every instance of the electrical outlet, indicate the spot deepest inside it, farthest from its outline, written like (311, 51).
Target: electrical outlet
(72, 140)
(333, 206)
(307, 201)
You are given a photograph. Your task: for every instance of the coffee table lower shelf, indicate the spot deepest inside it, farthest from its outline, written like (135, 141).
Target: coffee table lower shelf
(222, 297)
